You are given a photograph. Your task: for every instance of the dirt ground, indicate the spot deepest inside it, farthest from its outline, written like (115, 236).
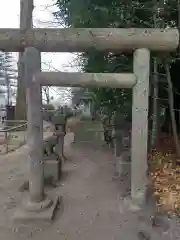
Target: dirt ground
(92, 205)
(16, 138)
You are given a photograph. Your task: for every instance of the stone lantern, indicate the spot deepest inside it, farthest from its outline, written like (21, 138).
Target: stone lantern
(59, 122)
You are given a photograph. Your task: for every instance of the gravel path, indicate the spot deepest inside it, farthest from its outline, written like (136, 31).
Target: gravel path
(92, 205)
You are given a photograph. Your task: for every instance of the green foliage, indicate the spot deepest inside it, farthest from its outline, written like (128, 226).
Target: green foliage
(118, 14)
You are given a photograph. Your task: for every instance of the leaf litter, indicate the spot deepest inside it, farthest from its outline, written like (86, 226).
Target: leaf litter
(164, 173)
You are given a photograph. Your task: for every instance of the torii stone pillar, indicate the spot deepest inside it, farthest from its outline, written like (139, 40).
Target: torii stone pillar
(37, 205)
(140, 126)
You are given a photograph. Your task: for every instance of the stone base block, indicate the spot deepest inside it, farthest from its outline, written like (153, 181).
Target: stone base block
(47, 214)
(117, 148)
(52, 168)
(49, 182)
(123, 169)
(135, 204)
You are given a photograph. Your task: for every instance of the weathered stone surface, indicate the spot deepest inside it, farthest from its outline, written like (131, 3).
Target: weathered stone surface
(121, 136)
(140, 125)
(48, 181)
(47, 116)
(53, 157)
(49, 145)
(82, 39)
(115, 80)
(122, 141)
(123, 164)
(53, 168)
(88, 131)
(47, 214)
(58, 120)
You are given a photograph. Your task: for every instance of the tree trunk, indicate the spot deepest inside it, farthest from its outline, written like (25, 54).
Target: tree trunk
(46, 92)
(26, 10)
(171, 108)
(20, 111)
(155, 105)
(178, 9)
(154, 135)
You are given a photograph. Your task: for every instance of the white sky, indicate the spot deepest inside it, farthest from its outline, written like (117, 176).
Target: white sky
(42, 17)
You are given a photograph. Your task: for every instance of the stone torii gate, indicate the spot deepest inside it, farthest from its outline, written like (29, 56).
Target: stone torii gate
(32, 42)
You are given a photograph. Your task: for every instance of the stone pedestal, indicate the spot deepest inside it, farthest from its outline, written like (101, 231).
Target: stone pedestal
(52, 167)
(118, 143)
(42, 211)
(121, 141)
(123, 164)
(123, 171)
(51, 159)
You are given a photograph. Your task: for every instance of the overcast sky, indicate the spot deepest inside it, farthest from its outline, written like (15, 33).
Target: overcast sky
(42, 17)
